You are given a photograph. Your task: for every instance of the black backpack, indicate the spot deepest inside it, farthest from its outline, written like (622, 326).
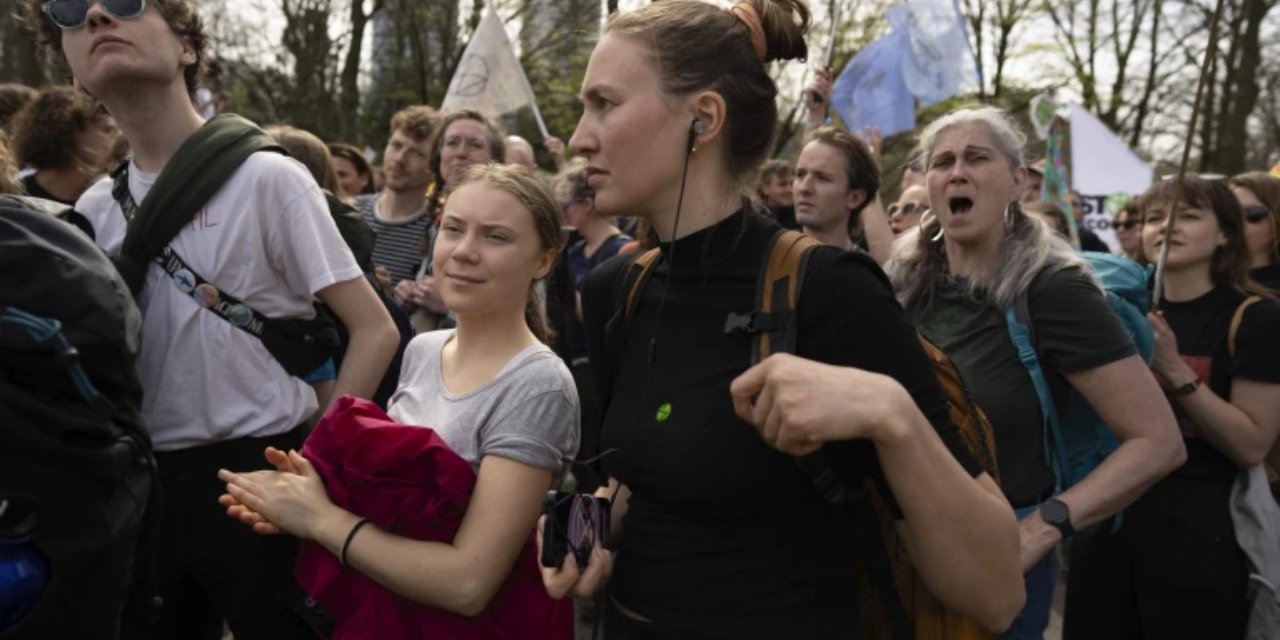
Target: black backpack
(71, 440)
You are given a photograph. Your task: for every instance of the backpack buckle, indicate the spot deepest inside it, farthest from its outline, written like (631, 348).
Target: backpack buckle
(741, 323)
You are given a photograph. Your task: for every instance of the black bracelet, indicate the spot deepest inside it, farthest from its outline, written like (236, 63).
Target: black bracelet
(342, 557)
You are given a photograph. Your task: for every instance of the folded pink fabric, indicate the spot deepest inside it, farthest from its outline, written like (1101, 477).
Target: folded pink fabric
(407, 481)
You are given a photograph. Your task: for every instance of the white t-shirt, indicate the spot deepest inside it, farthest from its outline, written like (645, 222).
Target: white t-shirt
(266, 238)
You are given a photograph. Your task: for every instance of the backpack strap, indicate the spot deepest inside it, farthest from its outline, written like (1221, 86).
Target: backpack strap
(774, 328)
(634, 279)
(1235, 323)
(773, 324)
(1022, 335)
(197, 171)
(625, 296)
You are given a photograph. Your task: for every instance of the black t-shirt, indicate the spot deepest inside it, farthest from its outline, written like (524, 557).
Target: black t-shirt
(1201, 326)
(1268, 276)
(725, 536)
(1075, 330)
(785, 216)
(1089, 241)
(34, 190)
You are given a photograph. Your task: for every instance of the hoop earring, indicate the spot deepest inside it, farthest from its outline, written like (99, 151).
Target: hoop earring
(924, 222)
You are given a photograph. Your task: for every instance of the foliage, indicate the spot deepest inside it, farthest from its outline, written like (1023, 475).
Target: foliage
(341, 68)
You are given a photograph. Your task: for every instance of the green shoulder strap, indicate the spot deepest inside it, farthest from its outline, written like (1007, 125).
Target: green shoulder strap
(193, 175)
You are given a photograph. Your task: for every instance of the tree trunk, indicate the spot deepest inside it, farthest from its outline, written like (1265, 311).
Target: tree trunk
(1232, 137)
(350, 95)
(1144, 103)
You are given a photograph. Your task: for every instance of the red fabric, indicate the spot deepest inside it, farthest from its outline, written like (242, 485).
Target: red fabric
(407, 481)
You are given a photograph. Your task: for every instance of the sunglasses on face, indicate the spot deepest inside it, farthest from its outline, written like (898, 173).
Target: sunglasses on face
(906, 209)
(1256, 214)
(1128, 224)
(72, 14)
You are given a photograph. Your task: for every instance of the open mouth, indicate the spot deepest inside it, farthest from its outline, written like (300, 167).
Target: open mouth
(960, 205)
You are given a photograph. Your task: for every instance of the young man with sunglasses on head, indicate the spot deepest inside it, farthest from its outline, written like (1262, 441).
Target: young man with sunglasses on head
(214, 396)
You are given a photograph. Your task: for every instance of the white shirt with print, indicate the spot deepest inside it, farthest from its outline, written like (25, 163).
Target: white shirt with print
(266, 238)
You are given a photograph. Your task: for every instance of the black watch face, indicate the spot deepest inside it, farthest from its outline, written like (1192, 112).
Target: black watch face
(1054, 512)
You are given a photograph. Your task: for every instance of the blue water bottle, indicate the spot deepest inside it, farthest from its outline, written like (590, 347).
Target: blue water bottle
(24, 571)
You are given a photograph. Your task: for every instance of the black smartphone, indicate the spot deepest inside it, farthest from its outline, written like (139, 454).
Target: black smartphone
(575, 521)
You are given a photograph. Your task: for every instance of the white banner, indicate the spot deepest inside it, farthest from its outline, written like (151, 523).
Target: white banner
(1105, 171)
(489, 77)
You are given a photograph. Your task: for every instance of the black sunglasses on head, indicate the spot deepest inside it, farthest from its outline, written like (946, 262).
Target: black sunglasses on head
(1256, 214)
(72, 14)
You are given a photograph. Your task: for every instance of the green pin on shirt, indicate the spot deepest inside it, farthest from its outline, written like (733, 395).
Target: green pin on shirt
(664, 412)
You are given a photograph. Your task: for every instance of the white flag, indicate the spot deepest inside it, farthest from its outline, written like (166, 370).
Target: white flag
(489, 77)
(941, 63)
(1104, 170)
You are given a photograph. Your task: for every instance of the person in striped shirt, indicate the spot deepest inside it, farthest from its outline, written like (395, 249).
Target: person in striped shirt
(400, 213)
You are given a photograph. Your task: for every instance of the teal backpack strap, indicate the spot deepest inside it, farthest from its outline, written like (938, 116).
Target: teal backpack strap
(1018, 320)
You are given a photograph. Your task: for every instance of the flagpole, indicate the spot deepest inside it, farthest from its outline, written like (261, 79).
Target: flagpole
(831, 53)
(1162, 262)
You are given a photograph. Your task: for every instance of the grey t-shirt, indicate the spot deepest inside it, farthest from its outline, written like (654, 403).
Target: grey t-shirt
(527, 413)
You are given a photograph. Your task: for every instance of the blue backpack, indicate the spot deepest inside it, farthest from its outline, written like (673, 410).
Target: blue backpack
(1076, 440)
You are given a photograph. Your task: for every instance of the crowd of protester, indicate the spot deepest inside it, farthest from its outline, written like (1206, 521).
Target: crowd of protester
(542, 325)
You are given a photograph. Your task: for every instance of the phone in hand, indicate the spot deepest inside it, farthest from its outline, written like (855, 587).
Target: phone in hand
(575, 522)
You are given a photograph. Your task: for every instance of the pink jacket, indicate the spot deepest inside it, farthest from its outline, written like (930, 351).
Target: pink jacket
(407, 481)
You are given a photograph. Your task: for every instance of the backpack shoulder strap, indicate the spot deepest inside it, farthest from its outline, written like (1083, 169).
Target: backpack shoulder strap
(1022, 335)
(634, 278)
(1236, 319)
(624, 297)
(771, 324)
(197, 171)
(778, 292)
(774, 328)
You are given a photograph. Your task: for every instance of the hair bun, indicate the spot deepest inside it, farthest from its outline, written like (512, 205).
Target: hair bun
(785, 23)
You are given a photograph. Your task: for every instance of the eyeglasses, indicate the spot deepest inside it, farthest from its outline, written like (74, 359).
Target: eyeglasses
(1256, 213)
(72, 14)
(907, 209)
(1127, 225)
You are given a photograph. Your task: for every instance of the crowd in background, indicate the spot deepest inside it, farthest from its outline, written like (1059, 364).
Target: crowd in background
(500, 305)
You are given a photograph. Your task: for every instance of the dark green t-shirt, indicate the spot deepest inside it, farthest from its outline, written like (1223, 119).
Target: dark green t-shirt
(1075, 330)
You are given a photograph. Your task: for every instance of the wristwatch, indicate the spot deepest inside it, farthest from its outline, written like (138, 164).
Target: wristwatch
(1186, 389)
(1056, 513)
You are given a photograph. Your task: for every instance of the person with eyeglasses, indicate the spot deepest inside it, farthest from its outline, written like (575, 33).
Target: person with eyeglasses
(1259, 196)
(1172, 566)
(599, 240)
(907, 211)
(1128, 225)
(213, 395)
(464, 138)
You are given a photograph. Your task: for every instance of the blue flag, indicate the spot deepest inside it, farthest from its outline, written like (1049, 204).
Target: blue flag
(872, 92)
(939, 63)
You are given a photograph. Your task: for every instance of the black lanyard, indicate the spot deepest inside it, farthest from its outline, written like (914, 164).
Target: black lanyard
(120, 191)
